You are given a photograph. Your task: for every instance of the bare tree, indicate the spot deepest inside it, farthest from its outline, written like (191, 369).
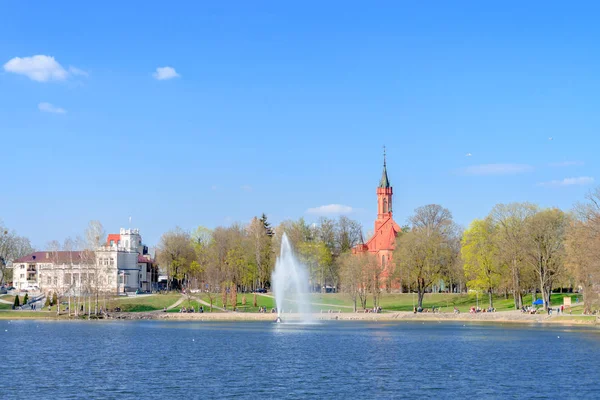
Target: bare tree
(260, 248)
(12, 247)
(95, 237)
(583, 248)
(583, 259)
(428, 250)
(545, 247)
(358, 274)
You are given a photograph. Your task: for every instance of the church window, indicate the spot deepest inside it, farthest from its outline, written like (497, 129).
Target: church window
(385, 206)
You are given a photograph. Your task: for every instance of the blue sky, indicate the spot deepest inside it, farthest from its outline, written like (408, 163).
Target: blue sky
(281, 108)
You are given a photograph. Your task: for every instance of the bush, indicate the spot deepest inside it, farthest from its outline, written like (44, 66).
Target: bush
(47, 303)
(25, 298)
(16, 303)
(54, 299)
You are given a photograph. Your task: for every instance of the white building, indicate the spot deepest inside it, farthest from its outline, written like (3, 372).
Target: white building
(122, 265)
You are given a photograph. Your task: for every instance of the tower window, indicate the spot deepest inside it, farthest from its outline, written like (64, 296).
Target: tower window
(385, 206)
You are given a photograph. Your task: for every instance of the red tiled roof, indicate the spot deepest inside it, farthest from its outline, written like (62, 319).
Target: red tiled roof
(144, 259)
(114, 237)
(60, 257)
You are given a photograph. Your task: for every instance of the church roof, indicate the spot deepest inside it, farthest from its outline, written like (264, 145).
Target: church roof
(385, 182)
(384, 238)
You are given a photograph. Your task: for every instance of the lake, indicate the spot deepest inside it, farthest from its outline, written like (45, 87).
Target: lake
(151, 359)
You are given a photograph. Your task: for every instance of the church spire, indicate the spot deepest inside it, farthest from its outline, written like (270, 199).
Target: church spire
(385, 182)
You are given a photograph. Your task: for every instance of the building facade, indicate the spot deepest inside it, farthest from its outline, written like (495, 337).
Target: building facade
(121, 265)
(383, 241)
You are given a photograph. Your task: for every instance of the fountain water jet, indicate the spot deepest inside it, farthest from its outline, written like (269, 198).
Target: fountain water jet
(290, 283)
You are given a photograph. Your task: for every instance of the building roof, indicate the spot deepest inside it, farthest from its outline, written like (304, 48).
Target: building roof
(385, 182)
(57, 257)
(144, 259)
(115, 237)
(385, 237)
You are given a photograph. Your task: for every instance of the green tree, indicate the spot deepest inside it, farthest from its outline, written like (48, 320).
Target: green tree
(16, 304)
(25, 299)
(480, 254)
(318, 258)
(511, 222)
(175, 253)
(54, 299)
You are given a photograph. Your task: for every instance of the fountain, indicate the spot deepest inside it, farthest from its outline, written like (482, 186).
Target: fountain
(290, 283)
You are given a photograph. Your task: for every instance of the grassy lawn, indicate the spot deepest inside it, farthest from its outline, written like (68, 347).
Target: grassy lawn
(335, 301)
(389, 302)
(261, 301)
(26, 314)
(5, 306)
(10, 298)
(145, 303)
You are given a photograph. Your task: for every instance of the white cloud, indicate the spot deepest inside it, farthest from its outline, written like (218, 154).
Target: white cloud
(39, 68)
(163, 73)
(582, 180)
(497, 169)
(567, 164)
(47, 107)
(330, 209)
(77, 71)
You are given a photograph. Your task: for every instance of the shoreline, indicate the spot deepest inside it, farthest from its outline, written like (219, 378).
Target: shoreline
(406, 316)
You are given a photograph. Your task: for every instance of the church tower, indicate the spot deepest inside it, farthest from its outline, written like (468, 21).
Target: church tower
(384, 197)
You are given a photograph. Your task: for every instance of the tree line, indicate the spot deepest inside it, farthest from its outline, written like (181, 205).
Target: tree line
(518, 248)
(242, 257)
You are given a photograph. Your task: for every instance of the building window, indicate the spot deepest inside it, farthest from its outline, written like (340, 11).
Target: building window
(49, 280)
(22, 276)
(112, 261)
(385, 206)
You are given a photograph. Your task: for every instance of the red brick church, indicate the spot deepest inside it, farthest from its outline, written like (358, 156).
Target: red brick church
(383, 241)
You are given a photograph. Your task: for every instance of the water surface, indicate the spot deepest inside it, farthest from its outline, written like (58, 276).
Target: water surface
(337, 359)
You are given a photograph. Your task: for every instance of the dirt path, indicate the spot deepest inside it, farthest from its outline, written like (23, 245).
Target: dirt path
(314, 304)
(178, 302)
(206, 303)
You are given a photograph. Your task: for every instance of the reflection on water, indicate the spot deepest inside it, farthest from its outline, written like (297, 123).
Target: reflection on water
(336, 359)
